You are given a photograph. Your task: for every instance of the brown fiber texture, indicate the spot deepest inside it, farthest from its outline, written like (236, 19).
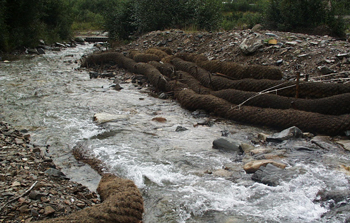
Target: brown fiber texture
(307, 89)
(197, 88)
(121, 203)
(232, 69)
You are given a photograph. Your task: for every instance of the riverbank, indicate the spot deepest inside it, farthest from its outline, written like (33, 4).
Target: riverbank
(32, 187)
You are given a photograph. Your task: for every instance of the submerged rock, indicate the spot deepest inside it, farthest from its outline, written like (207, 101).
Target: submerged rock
(227, 145)
(105, 117)
(270, 175)
(290, 133)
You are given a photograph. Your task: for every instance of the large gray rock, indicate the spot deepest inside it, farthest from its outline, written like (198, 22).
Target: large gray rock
(290, 133)
(251, 44)
(227, 145)
(271, 175)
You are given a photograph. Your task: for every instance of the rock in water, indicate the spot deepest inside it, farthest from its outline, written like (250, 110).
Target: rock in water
(105, 117)
(227, 145)
(270, 175)
(253, 166)
(290, 133)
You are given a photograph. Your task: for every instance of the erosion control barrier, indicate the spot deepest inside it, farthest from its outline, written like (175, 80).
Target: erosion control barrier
(307, 121)
(287, 88)
(181, 84)
(232, 69)
(160, 53)
(334, 105)
(146, 57)
(121, 202)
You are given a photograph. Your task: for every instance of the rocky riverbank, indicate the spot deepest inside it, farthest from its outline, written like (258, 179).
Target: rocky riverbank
(322, 58)
(31, 186)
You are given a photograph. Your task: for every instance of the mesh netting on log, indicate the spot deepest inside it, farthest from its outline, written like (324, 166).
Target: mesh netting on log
(181, 76)
(153, 75)
(232, 69)
(196, 58)
(166, 49)
(132, 53)
(100, 58)
(161, 54)
(168, 59)
(307, 121)
(146, 57)
(192, 82)
(217, 82)
(166, 69)
(334, 105)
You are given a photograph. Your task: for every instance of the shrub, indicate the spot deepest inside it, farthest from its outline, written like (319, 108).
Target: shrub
(296, 15)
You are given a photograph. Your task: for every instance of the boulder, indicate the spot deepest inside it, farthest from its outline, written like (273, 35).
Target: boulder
(105, 117)
(251, 44)
(325, 70)
(345, 144)
(253, 166)
(79, 40)
(247, 147)
(121, 202)
(32, 51)
(227, 145)
(270, 175)
(290, 133)
(40, 50)
(325, 143)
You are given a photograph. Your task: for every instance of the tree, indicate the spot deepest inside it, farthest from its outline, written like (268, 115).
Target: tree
(24, 22)
(130, 16)
(299, 15)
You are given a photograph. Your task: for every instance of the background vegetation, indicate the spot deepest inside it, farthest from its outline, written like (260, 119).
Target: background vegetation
(24, 22)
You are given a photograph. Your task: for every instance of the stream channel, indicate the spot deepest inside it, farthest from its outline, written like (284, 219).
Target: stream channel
(55, 101)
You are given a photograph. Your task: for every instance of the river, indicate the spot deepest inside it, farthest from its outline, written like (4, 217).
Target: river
(55, 101)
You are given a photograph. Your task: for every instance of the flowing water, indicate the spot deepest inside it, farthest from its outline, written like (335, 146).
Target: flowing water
(55, 102)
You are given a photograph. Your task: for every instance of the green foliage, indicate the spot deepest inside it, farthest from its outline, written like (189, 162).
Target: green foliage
(295, 15)
(119, 20)
(243, 13)
(25, 22)
(4, 36)
(133, 16)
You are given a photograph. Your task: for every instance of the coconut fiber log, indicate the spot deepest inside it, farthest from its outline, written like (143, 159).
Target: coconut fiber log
(234, 70)
(101, 58)
(122, 202)
(166, 69)
(277, 118)
(160, 53)
(334, 105)
(216, 82)
(146, 57)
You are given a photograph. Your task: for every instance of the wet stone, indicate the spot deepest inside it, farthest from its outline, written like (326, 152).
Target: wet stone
(180, 129)
(48, 210)
(271, 175)
(290, 133)
(227, 145)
